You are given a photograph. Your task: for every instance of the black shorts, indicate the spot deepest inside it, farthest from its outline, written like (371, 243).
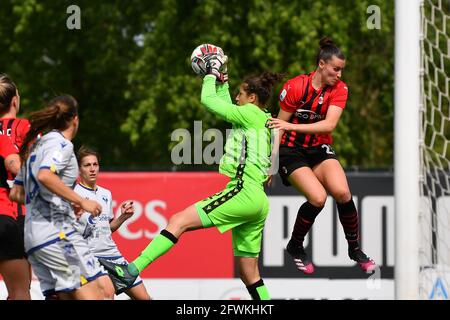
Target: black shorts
(11, 238)
(293, 158)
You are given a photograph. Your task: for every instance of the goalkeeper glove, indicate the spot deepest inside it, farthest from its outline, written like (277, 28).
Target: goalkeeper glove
(214, 63)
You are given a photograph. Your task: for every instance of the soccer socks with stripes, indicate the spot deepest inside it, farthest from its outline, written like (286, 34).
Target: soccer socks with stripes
(348, 215)
(305, 219)
(156, 248)
(258, 291)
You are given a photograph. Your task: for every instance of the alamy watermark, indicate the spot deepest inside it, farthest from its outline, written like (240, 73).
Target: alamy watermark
(250, 146)
(73, 22)
(374, 20)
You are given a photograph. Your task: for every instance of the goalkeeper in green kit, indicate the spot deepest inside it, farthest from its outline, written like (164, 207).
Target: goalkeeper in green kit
(243, 205)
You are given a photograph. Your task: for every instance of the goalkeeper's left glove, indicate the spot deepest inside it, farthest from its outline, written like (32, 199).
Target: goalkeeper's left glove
(214, 63)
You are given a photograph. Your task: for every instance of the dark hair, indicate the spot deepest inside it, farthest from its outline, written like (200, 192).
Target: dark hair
(327, 50)
(56, 115)
(262, 85)
(8, 90)
(85, 151)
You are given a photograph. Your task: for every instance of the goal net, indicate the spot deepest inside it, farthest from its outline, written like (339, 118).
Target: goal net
(434, 216)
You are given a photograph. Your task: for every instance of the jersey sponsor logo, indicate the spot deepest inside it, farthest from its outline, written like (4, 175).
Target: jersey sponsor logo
(63, 144)
(308, 115)
(91, 220)
(283, 95)
(103, 218)
(105, 199)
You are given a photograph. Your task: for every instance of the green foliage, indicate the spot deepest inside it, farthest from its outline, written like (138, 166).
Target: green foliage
(132, 97)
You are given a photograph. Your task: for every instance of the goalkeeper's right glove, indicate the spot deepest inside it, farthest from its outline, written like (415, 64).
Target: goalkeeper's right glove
(213, 64)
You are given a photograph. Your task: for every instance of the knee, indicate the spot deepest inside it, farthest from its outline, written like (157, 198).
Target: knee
(249, 278)
(106, 288)
(178, 222)
(108, 294)
(318, 200)
(342, 196)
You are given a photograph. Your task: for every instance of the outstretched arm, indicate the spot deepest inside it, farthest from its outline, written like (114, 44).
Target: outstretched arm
(127, 210)
(223, 92)
(324, 126)
(53, 183)
(225, 110)
(278, 133)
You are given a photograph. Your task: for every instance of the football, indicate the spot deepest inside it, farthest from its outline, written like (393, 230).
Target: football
(197, 57)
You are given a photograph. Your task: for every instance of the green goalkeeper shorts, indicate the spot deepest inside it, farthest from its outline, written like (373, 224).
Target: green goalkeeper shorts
(242, 207)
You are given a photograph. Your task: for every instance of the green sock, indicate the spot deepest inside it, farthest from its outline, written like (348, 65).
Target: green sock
(156, 248)
(258, 291)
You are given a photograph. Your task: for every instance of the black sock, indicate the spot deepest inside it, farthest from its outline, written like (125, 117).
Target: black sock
(258, 290)
(348, 215)
(305, 219)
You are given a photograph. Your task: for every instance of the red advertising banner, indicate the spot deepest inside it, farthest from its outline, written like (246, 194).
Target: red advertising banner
(157, 196)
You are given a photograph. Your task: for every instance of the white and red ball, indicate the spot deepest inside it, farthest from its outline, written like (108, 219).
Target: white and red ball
(197, 57)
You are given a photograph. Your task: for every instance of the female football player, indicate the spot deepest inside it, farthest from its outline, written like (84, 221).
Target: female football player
(310, 108)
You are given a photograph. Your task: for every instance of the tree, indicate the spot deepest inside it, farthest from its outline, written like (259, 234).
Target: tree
(45, 58)
(265, 35)
(128, 66)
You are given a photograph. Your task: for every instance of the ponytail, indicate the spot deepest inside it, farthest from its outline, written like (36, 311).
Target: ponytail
(8, 90)
(262, 85)
(328, 49)
(56, 115)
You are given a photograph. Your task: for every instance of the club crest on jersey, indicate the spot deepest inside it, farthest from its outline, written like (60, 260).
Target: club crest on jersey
(320, 101)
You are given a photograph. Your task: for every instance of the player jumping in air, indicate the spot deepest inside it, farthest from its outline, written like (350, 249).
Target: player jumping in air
(311, 106)
(243, 205)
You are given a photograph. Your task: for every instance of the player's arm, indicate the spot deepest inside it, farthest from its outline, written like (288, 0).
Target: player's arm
(338, 101)
(12, 163)
(223, 92)
(53, 183)
(325, 126)
(127, 210)
(17, 194)
(278, 134)
(57, 158)
(214, 103)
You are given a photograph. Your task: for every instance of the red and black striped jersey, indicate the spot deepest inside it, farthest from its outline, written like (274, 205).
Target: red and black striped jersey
(309, 105)
(15, 128)
(7, 207)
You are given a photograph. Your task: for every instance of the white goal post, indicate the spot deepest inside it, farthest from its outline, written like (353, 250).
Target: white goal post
(422, 149)
(406, 148)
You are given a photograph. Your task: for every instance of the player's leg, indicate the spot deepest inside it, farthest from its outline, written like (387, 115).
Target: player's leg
(14, 268)
(107, 287)
(162, 243)
(73, 267)
(199, 215)
(304, 181)
(247, 239)
(138, 292)
(16, 274)
(332, 176)
(248, 268)
(89, 291)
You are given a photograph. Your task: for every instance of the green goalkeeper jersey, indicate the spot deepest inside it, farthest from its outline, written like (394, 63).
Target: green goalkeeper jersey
(248, 147)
